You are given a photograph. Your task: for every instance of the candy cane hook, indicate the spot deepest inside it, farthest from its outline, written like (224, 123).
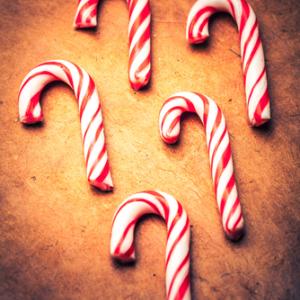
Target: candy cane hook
(178, 241)
(217, 139)
(252, 54)
(98, 170)
(138, 34)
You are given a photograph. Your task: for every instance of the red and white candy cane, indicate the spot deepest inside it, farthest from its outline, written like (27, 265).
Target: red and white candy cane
(98, 170)
(217, 140)
(178, 240)
(86, 14)
(138, 33)
(252, 54)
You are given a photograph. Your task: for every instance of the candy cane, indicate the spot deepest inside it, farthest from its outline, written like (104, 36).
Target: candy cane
(86, 14)
(178, 240)
(252, 55)
(218, 147)
(98, 170)
(138, 33)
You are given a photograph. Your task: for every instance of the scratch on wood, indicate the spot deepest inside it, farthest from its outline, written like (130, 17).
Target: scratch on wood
(234, 52)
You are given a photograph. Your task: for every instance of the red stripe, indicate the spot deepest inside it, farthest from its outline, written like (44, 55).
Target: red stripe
(153, 207)
(64, 68)
(128, 253)
(55, 78)
(254, 27)
(79, 83)
(144, 37)
(124, 234)
(190, 108)
(92, 120)
(231, 213)
(209, 10)
(173, 123)
(229, 186)
(215, 127)
(253, 52)
(244, 16)
(145, 12)
(222, 165)
(163, 203)
(89, 92)
(263, 102)
(35, 99)
(205, 110)
(182, 264)
(131, 5)
(236, 223)
(216, 148)
(183, 288)
(94, 141)
(138, 47)
(31, 106)
(232, 9)
(175, 220)
(256, 83)
(177, 240)
(104, 171)
(78, 19)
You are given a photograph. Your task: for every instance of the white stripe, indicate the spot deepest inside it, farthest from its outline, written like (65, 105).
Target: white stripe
(246, 32)
(84, 88)
(138, 59)
(219, 153)
(87, 14)
(223, 181)
(176, 230)
(167, 131)
(108, 180)
(91, 133)
(216, 137)
(89, 111)
(136, 12)
(198, 104)
(211, 119)
(93, 158)
(228, 208)
(81, 4)
(141, 29)
(179, 252)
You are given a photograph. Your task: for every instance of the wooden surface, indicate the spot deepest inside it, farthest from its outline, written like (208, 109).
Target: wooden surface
(55, 229)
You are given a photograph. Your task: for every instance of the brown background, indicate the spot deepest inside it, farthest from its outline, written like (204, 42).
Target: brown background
(55, 228)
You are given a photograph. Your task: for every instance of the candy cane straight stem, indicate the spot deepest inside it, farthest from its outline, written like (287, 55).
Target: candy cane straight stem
(138, 33)
(252, 54)
(92, 129)
(220, 158)
(178, 238)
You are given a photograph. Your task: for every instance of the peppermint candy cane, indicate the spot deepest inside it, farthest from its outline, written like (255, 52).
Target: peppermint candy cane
(138, 34)
(86, 14)
(252, 54)
(178, 241)
(92, 129)
(218, 147)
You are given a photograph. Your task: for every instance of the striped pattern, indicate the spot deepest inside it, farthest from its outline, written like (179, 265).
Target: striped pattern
(218, 147)
(178, 238)
(98, 170)
(252, 55)
(139, 43)
(138, 35)
(86, 14)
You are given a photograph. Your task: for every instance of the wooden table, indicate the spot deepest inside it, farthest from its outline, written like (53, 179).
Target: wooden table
(55, 228)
